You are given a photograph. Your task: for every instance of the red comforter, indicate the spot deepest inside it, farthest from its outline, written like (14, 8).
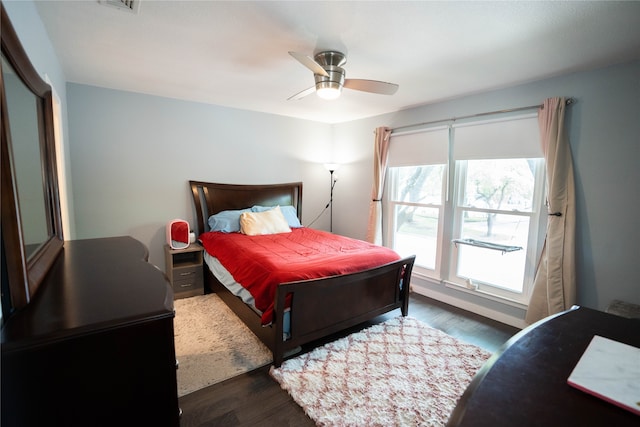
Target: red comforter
(260, 263)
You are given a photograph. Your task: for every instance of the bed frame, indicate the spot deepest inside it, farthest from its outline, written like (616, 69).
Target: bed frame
(319, 307)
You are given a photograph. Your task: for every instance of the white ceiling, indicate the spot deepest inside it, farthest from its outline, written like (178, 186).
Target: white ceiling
(234, 54)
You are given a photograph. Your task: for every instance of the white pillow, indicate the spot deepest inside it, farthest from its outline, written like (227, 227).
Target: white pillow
(267, 222)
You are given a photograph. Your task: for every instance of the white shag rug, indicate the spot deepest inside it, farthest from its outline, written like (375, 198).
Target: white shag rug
(397, 373)
(212, 344)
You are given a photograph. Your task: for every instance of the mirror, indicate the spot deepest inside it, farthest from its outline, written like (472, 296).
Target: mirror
(22, 109)
(178, 234)
(31, 220)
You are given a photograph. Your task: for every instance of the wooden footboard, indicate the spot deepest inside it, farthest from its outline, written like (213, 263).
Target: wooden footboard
(322, 307)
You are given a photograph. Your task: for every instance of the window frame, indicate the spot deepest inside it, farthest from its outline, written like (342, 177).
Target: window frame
(535, 239)
(450, 227)
(389, 220)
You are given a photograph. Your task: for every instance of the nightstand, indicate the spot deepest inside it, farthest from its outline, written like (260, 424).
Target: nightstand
(184, 270)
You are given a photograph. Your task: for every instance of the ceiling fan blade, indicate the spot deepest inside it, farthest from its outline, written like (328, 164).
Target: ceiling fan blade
(373, 86)
(302, 94)
(310, 63)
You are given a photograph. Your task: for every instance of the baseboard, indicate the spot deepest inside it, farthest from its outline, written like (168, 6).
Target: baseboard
(506, 318)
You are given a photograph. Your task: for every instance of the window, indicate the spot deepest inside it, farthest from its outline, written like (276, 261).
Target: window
(417, 209)
(416, 185)
(482, 232)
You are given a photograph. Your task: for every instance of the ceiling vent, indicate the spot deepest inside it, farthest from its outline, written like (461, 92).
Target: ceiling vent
(132, 6)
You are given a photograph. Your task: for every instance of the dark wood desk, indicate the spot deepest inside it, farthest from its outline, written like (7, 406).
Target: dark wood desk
(95, 345)
(525, 383)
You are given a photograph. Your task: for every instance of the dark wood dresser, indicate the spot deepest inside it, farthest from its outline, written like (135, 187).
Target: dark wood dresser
(95, 345)
(525, 384)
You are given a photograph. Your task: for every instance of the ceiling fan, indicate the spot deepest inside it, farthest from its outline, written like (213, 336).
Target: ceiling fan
(330, 77)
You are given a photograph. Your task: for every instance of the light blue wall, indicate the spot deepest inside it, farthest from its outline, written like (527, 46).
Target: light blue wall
(604, 132)
(132, 156)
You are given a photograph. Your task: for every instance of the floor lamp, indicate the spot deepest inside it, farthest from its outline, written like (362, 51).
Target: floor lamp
(331, 167)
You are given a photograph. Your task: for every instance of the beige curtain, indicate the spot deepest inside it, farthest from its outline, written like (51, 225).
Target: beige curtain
(380, 156)
(554, 288)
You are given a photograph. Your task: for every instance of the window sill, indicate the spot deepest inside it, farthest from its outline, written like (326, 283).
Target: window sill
(509, 314)
(469, 290)
(484, 294)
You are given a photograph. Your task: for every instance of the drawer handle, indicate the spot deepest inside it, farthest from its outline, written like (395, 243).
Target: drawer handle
(186, 285)
(189, 273)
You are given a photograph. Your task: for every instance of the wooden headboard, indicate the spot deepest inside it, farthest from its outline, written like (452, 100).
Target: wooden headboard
(210, 198)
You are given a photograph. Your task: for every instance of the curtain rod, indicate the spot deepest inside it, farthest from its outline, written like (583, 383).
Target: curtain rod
(569, 101)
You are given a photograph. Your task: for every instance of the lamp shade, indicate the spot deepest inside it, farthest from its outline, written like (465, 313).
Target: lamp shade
(331, 167)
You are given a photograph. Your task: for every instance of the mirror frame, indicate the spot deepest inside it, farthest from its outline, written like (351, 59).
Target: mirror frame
(23, 274)
(170, 240)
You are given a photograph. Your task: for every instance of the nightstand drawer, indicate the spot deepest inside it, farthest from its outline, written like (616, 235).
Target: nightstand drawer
(186, 286)
(187, 274)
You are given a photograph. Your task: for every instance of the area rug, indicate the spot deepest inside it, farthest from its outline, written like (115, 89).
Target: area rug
(212, 344)
(397, 373)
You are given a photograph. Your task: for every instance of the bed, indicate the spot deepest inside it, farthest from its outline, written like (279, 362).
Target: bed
(311, 308)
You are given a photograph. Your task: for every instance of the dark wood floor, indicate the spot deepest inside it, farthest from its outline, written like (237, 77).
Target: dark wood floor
(255, 398)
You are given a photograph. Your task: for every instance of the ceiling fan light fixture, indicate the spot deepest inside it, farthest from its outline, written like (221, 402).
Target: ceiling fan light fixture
(328, 90)
(330, 77)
